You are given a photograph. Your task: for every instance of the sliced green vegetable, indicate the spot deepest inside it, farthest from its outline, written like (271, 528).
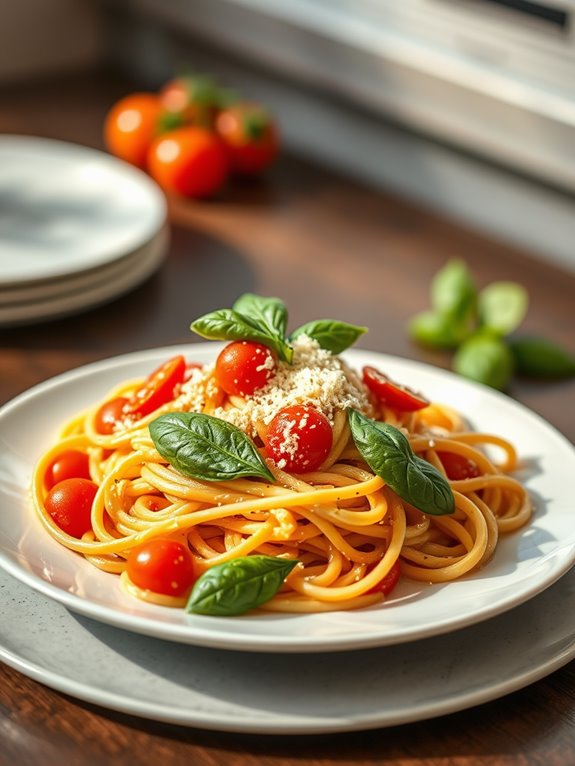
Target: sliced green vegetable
(331, 334)
(502, 307)
(486, 359)
(539, 358)
(436, 330)
(453, 292)
(388, 453)
(239, 585)
(205, 447)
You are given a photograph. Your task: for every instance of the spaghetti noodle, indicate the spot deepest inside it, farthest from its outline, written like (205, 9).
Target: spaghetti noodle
(350, 532)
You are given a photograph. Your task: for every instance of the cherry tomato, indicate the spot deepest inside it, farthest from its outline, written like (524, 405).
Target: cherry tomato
(109, 414)
(392, 394)
(250, 135)
(158, 388)
(194, 99)
(243, 367)
(131, 125)
(388, 583)
(162, 566)
(190, 161)
(299, 438)
(458, 467)
(70, 464)
(69, 503)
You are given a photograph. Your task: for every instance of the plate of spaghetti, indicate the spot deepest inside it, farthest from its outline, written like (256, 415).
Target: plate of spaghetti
(273, 492)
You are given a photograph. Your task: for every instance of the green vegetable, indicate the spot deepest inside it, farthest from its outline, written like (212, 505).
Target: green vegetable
(538, 358)
(264, 320)
(502, 307)
(436, 330)
(205, 447)
(227, 324)
(453, 293)
(268, 314)
(388, 453)
(486, 359)
(239, 585)
(331, 334)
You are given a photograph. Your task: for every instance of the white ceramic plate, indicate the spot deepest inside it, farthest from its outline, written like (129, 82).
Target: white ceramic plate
(525, 563)
(75, 294)
(279, 693)
(65, 208)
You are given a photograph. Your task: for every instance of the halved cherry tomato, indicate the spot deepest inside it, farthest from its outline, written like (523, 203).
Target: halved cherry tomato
(131, 125)
(250, 135)
(194, 99)
(190, 161)
(162, 566)
(299, 438)
(388, 583)
(70, 464)
(458, 467)
(392, 394)
(158, 388)
(69, 503)
(109, 414)
(243, 367)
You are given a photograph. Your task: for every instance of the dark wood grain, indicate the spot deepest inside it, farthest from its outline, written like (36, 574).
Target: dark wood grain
(329, 247)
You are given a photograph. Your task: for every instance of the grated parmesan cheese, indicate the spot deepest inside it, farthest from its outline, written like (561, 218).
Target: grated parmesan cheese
(316, 377)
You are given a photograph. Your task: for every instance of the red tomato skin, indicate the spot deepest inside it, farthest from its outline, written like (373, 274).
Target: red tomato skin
(158, 388)
(70, 464)
(189, 161)
(309, 428)
(110, 413)
(388, 583)
(243, 367)
(162, 566)
(131, 126)
(193, 99)
(249, 151)
(394, 395)
(458, 467)
(69, 503)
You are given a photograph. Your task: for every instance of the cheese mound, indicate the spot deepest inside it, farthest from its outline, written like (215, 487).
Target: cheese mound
(315, 377)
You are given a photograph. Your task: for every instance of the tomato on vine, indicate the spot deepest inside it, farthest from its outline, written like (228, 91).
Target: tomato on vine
(131, 125)
(250, 135)
(299, 438)
(190, 161)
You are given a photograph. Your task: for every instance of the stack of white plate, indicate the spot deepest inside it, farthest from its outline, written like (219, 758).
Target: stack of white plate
(77, 228)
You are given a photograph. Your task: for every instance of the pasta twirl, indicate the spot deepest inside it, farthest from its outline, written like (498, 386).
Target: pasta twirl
(349, 529)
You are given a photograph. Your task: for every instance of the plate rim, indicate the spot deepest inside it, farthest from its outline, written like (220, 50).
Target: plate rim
(204, 636)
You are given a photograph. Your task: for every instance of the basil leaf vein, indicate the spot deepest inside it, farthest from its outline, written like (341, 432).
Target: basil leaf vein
(237, 586)
(205, 447)
(388, 453)
(331, 334)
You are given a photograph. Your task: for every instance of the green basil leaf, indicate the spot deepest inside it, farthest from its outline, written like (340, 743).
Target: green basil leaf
(486, 359)
(270, 313)
(239, 585)
(437, 330)
(453, 292)
(388, 453)
(331, 334)
(226, 324)
(502, 306)
(205, 447)
(539, 358)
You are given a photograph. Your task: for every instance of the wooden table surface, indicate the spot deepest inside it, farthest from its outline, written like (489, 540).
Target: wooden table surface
(329, 247)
